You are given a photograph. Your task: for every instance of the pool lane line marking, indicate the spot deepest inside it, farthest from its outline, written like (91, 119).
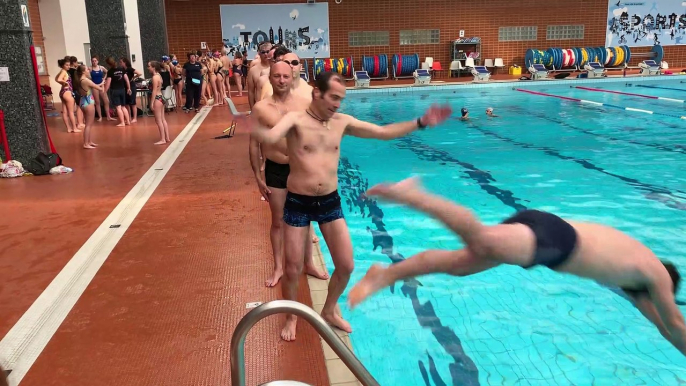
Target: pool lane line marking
(629, 94)
(599, 104)
(22, 345)
(658, 87)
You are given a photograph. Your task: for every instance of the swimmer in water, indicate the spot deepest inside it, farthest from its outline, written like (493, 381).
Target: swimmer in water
(489, 112)
(531, 238)
(465, 114)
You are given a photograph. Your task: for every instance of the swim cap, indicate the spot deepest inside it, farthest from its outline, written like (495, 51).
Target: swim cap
(175, 62)
(165, 58)
(464, 111)
(490, 109)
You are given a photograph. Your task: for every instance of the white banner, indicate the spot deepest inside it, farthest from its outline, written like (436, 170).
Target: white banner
(302, 27)
(646, 23)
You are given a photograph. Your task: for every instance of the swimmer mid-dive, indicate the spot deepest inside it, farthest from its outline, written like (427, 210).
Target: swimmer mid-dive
(531, 238)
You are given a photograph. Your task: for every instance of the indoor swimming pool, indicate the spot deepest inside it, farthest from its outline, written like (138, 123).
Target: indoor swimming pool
(511, 326)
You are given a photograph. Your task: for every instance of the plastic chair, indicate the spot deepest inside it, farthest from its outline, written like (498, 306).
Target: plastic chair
(425, 66)
(498, 63)
(454, 66)
(488, 63)
(429, 60)
(469, 62)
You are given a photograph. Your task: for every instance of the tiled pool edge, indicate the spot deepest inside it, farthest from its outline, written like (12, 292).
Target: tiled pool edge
(390, 89)
(338, 372)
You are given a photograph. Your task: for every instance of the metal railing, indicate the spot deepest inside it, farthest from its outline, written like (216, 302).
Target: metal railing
(313, 318)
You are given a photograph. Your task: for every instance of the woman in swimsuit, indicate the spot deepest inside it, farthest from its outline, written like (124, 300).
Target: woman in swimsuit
(84, 86)
(219, 69)
(206, 94)
(212, 75)
(67, 95)
(158, 102)
(98, 76)
(238, 71)
(176, 71)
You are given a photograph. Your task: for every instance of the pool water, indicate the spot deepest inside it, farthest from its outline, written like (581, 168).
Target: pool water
(511, 326)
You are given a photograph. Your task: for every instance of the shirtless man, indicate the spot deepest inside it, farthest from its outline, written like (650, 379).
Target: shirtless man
(300, 87)
(314, 137)
(531, 238)
(264, 50)
(277, 53)
(226, 70)
(268, 112)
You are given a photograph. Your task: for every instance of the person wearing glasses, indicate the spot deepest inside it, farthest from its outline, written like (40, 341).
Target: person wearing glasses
(299, 87)
(264, 50)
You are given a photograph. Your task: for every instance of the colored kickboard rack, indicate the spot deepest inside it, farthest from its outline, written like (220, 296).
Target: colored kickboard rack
(343, 66)
(404, 66)
(376, 66)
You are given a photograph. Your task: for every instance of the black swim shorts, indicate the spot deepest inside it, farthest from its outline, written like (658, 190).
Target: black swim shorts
(299, 210)
(555, 238)
(276, 174)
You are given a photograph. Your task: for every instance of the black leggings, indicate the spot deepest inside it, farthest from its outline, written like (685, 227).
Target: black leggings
(193, 95)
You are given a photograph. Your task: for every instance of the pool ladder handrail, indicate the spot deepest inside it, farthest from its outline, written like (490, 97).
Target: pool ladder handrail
(313, 318)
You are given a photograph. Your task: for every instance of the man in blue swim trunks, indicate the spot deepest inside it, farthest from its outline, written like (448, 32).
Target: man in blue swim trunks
(531, 238)
(314, 138)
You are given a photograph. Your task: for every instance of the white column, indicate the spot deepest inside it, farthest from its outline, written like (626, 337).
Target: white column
(133, 30)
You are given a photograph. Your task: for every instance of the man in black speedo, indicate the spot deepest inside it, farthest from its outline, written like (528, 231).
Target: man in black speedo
(531, 238)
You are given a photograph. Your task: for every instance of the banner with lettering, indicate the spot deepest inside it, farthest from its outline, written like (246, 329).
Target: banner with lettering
(645, 23)
(302, 27)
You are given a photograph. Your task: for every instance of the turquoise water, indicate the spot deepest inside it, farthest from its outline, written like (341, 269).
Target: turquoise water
(511, 326)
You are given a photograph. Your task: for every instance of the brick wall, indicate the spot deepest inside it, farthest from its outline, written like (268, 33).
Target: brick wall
(34, 15)
(190, 22)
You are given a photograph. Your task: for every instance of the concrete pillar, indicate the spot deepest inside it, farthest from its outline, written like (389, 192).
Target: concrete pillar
(106, 28)
(19, 97)
(153, 25)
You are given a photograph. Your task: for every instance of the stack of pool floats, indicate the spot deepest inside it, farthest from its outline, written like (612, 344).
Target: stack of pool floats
(376, 66)
(343, 66)
(560, 58)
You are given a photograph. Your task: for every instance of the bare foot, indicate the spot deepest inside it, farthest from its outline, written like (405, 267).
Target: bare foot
(316, 272)
(395, 191)
(336, 321)
(274, 279)
(168, 139)
(111, 119)
(88, 147)
(288, 332)
(100, 119)
(77, 131)
(370, 283)
(93, 144)
(81, 126)
(121, 125)
(160, 142)
(134, 121)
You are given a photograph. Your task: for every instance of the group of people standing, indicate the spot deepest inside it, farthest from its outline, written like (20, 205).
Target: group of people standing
(207, 76)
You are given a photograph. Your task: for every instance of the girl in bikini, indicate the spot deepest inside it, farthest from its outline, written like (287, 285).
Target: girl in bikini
(84, 86)
(158, 102)
(66, 95)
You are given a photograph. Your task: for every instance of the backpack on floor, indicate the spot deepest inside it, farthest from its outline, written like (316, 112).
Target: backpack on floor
(42, 164)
